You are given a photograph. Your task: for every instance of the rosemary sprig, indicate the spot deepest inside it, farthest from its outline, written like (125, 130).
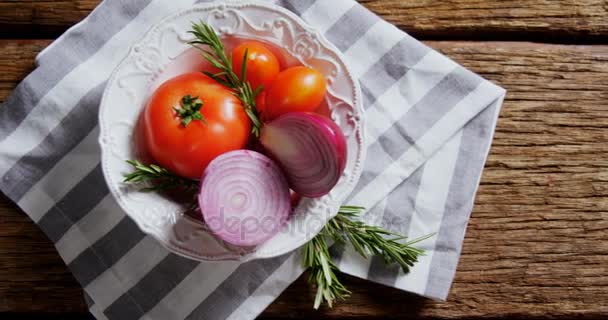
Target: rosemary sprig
(158, 178)
(213, 51)
(322, 272)
(343, 228)
(366, 240)
(372, 240)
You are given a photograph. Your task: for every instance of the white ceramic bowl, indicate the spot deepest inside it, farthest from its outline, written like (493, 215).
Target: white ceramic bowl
(163, 53)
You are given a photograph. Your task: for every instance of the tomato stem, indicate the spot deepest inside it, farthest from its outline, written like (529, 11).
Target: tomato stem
(190, 110)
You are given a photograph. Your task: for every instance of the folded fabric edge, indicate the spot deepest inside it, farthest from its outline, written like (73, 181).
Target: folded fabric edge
(49, 48)
(104, 1)
(442, 274)
(438, 288)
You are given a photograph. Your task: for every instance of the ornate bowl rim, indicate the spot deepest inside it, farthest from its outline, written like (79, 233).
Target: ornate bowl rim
(326, 207)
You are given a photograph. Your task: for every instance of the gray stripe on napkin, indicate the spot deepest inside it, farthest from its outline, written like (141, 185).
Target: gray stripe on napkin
(393, 66)
(374, 83)
(475, 144)
(106, 251)
(336, 251)
(381, 272)
(396, 140)
(152, 288)
(454, 87)
(296, 6)
(87, 299)
(33, 166)
(239, 286)
(351, 27)
(372, 167)
(446, 94)
(416, 122)
(75, 205)
(401, 204)
(368, 96)
(73, 48)
(397, 217)
(80, 42)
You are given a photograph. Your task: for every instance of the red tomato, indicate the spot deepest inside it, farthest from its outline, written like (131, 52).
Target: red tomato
(188, 149)
(262, 65)
(295, 89)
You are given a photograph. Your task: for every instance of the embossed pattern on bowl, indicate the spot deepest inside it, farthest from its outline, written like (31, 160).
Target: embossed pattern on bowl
(162, 53)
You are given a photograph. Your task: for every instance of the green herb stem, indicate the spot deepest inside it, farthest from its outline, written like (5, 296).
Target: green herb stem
(366, 240)
(189, 110)
(344, 228)
(212, 48)
(158, 178)
(322, 272)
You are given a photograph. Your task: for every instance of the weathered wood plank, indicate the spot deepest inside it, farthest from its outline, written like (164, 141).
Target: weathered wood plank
(501, 19)
(562, 20)
(537, 244)
(38, 19)
(45, 12)
(16, 61)
(32, 276)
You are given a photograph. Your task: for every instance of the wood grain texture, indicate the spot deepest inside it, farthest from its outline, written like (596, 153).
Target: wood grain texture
(555, 20)
(41, 18)
(33, 278)
(537, 243)
(544, 20)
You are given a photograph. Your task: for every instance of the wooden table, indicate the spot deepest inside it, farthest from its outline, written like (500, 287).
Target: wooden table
(537, 243)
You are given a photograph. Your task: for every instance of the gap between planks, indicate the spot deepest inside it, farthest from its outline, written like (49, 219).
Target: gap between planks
(537, 243)
(558, 21)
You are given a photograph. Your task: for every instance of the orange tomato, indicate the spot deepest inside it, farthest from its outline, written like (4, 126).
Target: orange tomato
(187, 149)
(260, 101)
(297, 89)
(262, 65)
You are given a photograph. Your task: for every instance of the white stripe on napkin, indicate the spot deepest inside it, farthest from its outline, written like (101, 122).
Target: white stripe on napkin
(408, 91)
(97, 312)
(70, 170)
(376, 42)
(96, 224)
(189, 293)
(124, 274)
(59, 101)
(272, 287)
(428, 213)
(323, 14)
(430, 142)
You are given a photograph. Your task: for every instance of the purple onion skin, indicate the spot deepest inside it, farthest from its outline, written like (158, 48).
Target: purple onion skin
(244, 198)
(322, 127)
(337, 137)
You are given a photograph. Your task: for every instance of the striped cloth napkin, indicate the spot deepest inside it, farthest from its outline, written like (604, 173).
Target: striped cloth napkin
(430, 126)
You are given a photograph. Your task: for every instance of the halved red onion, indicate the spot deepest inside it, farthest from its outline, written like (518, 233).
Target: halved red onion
(244, 198)
(310, 148)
